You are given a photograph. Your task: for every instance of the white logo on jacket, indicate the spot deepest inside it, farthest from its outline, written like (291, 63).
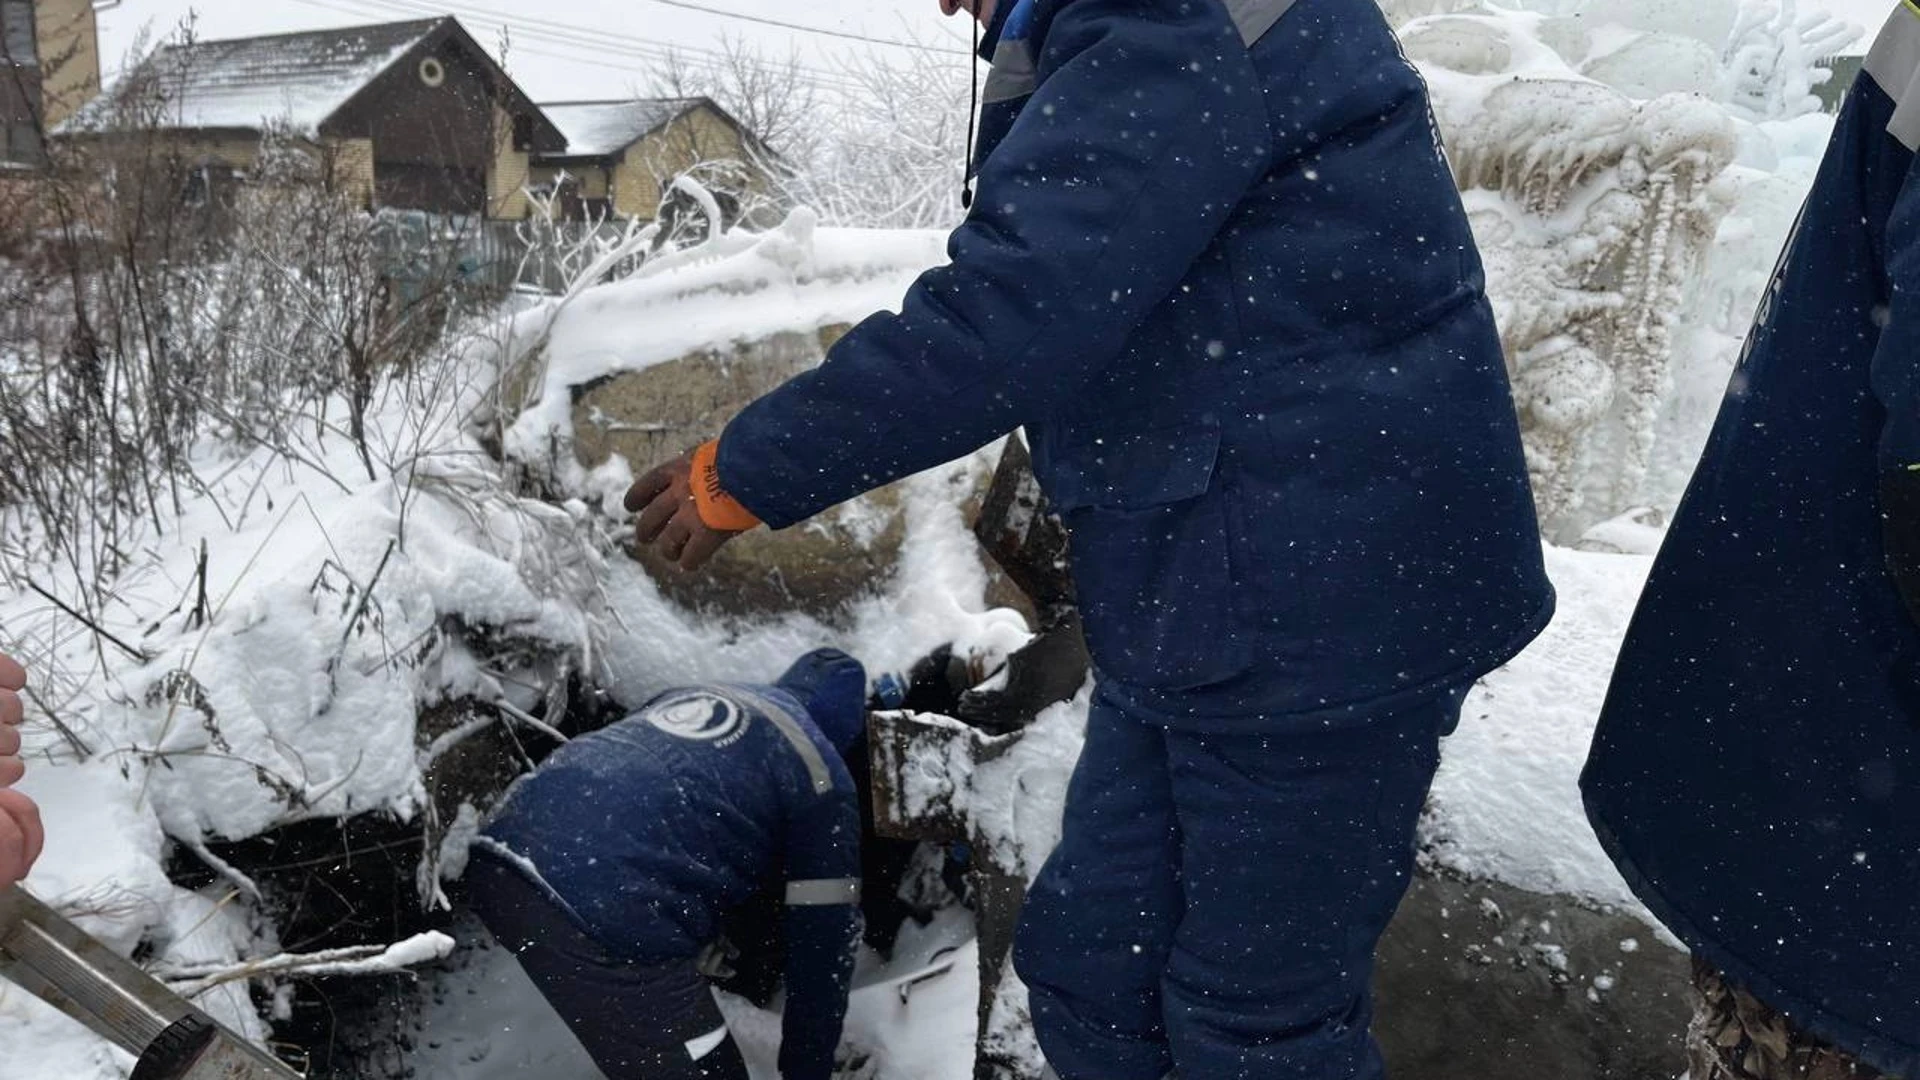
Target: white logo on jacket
(700, 717)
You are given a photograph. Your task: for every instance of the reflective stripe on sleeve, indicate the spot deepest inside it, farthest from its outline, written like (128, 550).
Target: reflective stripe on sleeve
(810, 755)
(823, 892)
(700, 1046)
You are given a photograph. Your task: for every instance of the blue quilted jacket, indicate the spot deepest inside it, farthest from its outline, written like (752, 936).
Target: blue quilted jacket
(1218, 270)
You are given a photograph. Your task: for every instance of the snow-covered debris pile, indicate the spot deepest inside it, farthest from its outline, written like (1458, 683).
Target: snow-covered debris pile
(262, 661)
(332, 634)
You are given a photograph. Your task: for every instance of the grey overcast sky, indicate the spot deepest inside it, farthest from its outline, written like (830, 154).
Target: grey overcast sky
(574, 49)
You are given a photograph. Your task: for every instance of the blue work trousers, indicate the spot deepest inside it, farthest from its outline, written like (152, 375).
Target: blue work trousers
(1215, 900)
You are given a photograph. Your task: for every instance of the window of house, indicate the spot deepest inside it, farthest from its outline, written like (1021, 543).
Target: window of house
(522, 131)
(16, 31)
(197, 188)
(19, 142)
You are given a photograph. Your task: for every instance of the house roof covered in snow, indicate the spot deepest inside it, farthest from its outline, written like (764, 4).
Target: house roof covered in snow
(248, 83)
(604, 128)
(299, 80)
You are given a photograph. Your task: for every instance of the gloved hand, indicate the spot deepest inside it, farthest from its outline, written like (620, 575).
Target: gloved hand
(855, 1062)
(683, 510)
(21, 834)
(716, 960)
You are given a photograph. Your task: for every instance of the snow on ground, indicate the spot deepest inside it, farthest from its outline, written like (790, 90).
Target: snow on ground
(1506, 804)
(913, 1018)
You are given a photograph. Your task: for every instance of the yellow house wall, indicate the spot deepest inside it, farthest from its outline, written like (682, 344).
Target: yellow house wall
(240, 151)
(509, 174)
(69, 43)
(700, 135)
(353, 168)
(636, 193)
(592, 178)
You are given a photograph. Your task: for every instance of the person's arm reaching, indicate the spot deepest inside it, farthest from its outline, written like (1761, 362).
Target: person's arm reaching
(1148, 126)
(822, 930)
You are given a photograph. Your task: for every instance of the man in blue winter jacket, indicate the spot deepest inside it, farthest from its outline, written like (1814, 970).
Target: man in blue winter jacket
(1218, 270)
(1756, 772)
(607, 871)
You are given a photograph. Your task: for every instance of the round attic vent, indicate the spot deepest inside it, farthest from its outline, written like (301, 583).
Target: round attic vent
(432, 72)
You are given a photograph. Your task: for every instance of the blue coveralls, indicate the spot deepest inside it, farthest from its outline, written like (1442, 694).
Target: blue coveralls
(636, 839)
(1218, 270)
(1755, 774)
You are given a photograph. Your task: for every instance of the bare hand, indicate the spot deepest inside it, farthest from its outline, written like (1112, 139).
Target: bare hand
(21, 836)
(13, 679)
(669, 520)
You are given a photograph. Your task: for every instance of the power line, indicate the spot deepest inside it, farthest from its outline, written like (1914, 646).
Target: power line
(814, 29)
(848, 35)
(638, 59)
(585, 45)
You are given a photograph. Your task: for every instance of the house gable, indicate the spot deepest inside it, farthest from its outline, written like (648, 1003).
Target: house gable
(445, 64)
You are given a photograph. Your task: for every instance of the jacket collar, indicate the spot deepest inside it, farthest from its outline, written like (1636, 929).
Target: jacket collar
(990, 36)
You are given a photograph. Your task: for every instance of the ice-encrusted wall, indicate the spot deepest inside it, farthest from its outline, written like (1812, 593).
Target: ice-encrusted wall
(1627, 165)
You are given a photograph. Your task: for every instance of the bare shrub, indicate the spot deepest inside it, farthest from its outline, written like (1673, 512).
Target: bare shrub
(179, 297)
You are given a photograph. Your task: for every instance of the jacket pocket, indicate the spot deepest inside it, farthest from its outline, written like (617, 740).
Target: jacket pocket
(1152, 564)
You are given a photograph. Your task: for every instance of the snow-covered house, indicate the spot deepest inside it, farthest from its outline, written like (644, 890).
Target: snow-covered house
(621, 154)
(49, 68)
(411, 115)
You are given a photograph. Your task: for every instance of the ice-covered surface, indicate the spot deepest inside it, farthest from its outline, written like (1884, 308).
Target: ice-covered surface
(250, 84)
(1624, 163)
(602, 128)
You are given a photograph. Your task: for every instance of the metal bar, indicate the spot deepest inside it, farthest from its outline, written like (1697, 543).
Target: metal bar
(61, 964)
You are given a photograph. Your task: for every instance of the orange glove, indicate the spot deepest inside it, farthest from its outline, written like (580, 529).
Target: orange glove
(678, 504)
(718, 509)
